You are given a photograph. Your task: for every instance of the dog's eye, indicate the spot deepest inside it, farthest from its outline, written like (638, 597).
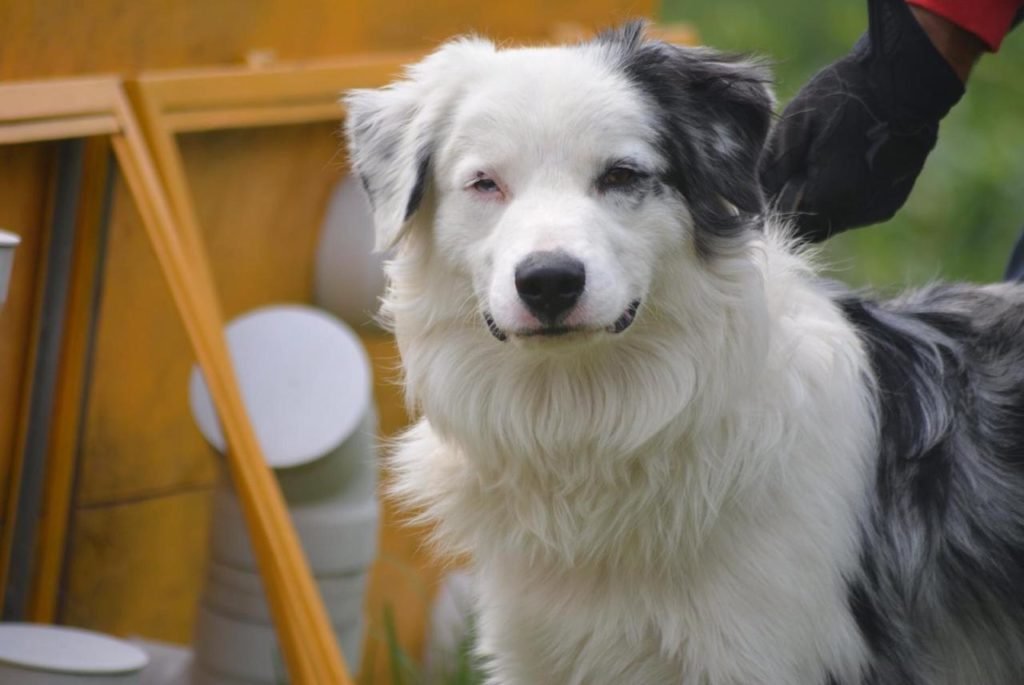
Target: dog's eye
(485, 185)
(619, 178)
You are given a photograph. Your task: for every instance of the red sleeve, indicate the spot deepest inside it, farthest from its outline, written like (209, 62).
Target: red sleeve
(989, 20)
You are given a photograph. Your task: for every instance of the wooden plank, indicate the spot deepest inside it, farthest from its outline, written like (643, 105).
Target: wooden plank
(208, 99)
(136, 568)
(249, 117)
(283, 83)
(70, 391)
(57, 129)
(47, 100)
(57, 109)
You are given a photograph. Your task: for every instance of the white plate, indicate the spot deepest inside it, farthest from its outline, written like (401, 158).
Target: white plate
(243, 650)
(55, 655)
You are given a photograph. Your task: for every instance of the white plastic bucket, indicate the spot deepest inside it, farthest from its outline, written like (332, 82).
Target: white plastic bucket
(240, 593)
(245, 650)
(306, 382)
(338, 536)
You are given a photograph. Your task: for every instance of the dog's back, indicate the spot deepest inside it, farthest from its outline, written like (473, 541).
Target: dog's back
(941, 595)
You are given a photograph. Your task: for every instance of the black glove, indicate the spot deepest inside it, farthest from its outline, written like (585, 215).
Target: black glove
(850, 145)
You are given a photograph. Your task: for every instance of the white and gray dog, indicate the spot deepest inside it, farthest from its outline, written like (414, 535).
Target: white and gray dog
(674, 453)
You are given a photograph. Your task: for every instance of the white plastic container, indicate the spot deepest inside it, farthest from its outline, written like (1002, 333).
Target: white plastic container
(347, 473)
(349, 277)
(229, 646)
(8, 241)
(34, 654)
(306, 382)
(338, 536)
(240, 593)
(199, 675)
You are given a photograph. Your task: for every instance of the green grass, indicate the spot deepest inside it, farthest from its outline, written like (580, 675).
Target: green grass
(968, 206)
(459, 668)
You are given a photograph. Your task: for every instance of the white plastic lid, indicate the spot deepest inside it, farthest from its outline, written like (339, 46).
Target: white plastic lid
(58, 649)
(305, 378)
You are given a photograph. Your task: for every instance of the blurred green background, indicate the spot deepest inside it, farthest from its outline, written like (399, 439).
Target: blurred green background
(968, 205)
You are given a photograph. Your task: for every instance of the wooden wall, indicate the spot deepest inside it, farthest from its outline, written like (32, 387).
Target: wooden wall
(143, 476)
(59, 37)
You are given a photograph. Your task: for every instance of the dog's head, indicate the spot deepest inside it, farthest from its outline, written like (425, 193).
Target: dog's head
(558, 181)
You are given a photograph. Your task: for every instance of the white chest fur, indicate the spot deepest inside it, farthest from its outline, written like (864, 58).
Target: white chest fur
(714, 551)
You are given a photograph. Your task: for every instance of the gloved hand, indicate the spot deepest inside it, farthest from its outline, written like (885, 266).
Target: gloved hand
(850, 145)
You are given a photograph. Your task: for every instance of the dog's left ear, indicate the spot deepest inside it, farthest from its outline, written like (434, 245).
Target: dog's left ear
(715, 111)
(392, 133)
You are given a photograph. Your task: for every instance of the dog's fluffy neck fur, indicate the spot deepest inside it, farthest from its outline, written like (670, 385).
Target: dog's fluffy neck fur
(672, 490)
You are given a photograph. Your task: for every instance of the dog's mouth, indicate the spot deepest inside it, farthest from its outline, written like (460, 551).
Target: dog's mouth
(627, 318)
(556, 331)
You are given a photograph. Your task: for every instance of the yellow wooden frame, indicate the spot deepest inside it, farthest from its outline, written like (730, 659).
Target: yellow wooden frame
(142, 126)
(209, 99)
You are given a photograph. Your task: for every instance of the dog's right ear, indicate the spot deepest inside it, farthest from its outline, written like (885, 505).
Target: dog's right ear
(392, 133)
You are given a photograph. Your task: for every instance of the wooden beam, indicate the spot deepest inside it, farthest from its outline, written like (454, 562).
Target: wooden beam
(33, 130)
(192, 121)
(53, 110)
(237, 97)
(56, 99)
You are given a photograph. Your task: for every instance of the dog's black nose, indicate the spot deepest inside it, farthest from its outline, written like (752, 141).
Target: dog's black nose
(550, 283)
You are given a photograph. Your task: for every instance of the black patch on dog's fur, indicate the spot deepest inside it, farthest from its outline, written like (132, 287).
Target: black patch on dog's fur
(715, 114)
(420, 186)
(943, 545)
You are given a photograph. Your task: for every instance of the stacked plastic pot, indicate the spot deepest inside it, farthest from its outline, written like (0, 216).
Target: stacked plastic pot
(307, 386)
